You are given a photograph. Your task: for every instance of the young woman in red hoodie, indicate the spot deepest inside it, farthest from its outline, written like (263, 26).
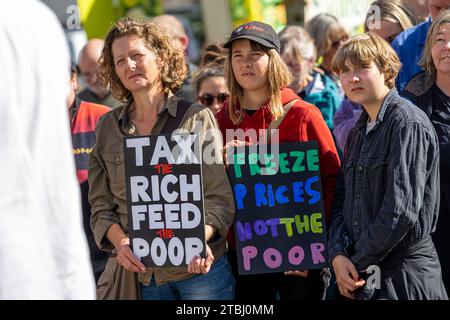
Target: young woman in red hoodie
(257, 80)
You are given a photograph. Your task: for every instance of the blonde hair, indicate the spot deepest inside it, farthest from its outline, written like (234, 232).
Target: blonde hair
(394, 11)
(363, 49)
(323, 28)
(172, 70)
(278, 77)
(426, 61)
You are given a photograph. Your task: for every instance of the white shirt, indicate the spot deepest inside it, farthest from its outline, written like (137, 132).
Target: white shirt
(370, 125)
(43, 249)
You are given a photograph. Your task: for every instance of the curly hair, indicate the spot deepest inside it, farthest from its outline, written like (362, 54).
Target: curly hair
(172, 70)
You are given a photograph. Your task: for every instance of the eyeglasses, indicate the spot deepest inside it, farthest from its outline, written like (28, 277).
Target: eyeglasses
(207, 99)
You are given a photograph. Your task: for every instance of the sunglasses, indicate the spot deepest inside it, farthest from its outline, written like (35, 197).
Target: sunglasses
(207, 99)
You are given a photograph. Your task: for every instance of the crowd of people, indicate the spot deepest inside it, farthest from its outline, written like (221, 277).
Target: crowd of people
(377, 104)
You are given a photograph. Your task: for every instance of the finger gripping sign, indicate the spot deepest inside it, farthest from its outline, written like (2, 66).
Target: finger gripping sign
(164, 188)
(279, 224)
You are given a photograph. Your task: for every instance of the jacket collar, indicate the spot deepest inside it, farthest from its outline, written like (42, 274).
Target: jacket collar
(362, 122)
(420, 83)
(170, 107)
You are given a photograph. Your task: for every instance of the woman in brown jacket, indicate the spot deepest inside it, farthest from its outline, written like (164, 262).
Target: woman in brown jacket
(141, 67)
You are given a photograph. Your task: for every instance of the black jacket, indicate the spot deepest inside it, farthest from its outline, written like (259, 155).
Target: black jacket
(421, 91)
(387, 201)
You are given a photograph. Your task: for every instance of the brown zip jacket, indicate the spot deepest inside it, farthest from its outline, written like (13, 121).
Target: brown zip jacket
(107, 194)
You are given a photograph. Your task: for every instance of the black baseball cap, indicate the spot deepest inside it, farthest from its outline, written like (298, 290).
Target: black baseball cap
(257, 31)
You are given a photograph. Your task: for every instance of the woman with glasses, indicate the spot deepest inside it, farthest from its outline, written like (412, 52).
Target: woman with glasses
(328, 34)
(210, 86)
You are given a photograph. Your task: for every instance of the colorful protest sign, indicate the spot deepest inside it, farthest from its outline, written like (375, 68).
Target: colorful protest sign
(279, 224)
(165, 198)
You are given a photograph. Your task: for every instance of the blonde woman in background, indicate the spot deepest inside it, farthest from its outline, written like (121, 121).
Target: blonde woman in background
(394, 17)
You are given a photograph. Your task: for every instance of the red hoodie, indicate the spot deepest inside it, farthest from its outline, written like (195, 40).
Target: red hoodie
(303, 122)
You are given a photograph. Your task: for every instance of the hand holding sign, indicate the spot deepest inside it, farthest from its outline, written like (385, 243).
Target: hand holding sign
(127, 259)
(279, 223)
(165, 200)
(201, 265)
(229, 148)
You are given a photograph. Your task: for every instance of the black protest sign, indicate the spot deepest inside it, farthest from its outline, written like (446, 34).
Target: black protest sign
(279, 224)
(165, 198)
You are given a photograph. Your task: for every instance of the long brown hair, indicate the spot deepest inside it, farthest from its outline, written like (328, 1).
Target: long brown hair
(278, 77)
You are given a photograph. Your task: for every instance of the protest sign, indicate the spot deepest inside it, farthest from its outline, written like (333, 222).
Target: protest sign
(165, 198)
(279, 224)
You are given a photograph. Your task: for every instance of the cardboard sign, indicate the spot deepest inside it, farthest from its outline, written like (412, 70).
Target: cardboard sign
(165, 198)
(279, 224)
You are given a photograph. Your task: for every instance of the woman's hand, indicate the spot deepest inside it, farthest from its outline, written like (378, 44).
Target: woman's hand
(127, 259)
(346, 276)
(201, 265)
(299, 273)
(229, 147)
